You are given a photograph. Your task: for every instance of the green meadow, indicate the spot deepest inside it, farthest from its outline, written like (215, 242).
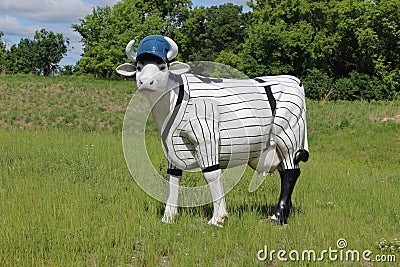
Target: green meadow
(67, 197)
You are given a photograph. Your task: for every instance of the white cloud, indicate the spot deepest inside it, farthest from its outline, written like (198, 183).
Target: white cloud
(106, 2)
(12, 26)
(50, 11)
(21, 18)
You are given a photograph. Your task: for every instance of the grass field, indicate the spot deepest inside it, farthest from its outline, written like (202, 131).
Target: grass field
(68, 199)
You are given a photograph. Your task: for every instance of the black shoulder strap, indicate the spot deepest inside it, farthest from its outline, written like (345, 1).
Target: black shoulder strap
(180, 95)
(271, 98)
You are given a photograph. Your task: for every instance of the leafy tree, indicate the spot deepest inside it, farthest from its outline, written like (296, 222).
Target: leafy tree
(20, 58)
(368, 42)
(107, 30)
(344, 39)
(383, 39)
(93, 30)
(49, 50)
(290, 36)
(40, 55)
(209, 31)
(3, 52)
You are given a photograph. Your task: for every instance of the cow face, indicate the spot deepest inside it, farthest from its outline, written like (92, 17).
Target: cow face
(151, 73)
(152, 66)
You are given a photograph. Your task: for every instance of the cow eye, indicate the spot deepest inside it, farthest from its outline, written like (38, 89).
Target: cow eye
(162, 66)
(139, 67)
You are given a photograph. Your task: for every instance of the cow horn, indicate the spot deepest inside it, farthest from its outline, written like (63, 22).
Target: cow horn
(129, 50)
(173, 52)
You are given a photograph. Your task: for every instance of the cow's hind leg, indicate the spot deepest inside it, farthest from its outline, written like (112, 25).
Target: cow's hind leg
(288, 181)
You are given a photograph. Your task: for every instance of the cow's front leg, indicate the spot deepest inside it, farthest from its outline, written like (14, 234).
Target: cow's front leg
(214, 181)
(288, 181)
(171, 208)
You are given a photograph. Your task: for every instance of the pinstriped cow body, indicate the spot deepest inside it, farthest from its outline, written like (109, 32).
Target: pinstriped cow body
(220, 123)
(235, 122)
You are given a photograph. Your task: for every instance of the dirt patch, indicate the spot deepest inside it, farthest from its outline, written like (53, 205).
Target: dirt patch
(394, 118)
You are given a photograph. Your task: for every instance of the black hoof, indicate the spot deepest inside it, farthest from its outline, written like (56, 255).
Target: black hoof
(272, 220)
(301, 155)
(282, 212)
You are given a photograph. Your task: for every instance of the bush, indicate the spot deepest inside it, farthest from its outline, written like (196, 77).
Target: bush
(318, 85)
(359, 86)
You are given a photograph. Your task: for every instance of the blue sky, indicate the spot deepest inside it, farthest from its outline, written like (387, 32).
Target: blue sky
(21, 18)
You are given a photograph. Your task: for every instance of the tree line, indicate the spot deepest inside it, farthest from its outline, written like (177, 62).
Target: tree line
(41, 55)
(341, 49)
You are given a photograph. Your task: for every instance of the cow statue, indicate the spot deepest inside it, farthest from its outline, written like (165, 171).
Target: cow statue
(214, 124)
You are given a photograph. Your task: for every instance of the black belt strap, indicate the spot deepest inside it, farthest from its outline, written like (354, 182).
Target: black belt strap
(175, 172)
(271, 98)
(211, 168)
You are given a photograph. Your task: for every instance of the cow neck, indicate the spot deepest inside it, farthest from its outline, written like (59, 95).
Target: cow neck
(163, 102)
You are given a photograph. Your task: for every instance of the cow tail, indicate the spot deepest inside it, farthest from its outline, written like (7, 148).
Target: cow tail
(305, 141)
(303, 153)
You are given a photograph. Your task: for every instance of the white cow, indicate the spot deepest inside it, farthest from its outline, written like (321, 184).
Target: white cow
(214, 124)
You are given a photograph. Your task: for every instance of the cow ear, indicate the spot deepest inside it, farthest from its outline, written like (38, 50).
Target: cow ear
(178, 68)
(126, 69)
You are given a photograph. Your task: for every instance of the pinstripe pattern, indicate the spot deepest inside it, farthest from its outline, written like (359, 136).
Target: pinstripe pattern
(230, 122)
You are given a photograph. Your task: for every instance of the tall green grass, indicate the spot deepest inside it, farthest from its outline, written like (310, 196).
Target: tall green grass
(68, 199)
(76, 102)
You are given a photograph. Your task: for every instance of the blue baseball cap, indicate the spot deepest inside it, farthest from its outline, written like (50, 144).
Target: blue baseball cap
(155, 45)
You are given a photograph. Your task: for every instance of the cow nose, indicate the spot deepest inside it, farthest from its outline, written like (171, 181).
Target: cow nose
(147, 83)
(151, 83)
